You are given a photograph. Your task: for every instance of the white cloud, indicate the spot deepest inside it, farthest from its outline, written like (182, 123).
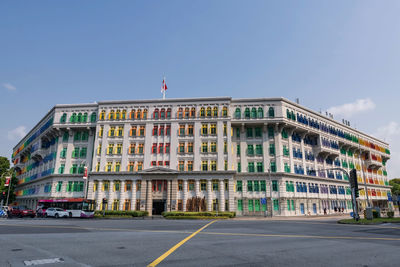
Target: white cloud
(390, 133)
(17, 133)
(349, 109)
(9, 86)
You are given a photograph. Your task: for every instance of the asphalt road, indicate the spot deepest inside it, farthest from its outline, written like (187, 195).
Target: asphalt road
(74, 242)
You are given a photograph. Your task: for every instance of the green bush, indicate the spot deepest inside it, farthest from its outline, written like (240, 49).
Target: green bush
(198, 214)
(133, 213)
(375, 214)
(390, 214)
(195, 217)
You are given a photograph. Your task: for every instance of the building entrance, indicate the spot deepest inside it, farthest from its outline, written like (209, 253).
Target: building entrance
(158, 206)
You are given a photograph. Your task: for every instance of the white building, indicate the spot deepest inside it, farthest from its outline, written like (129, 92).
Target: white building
(243, 155)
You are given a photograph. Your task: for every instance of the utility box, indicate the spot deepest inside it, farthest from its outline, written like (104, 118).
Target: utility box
(368, 214)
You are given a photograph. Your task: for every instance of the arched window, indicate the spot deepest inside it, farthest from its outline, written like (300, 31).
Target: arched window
(193, 112)
(169, 113)
(162, 114)
(156, 114)
(180, 113)
(139, 114)
(253, 113)
(63, 118)
(118, 114)
(144, 114)
(187, 113)
(247, 113)
(79, 117)
(288, 114)
(73, 117)
(132, 114)
(225, 112)
(271, 112)
(260, 113)
(215, 112)
(84, 117)
(123, 114)
(237, 113)
(102, 115)
(93, 117)
(209, 112)
(202, 112)
(111, 115)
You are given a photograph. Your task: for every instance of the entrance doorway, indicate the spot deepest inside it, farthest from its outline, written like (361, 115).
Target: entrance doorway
(158, 207)
(314, 208)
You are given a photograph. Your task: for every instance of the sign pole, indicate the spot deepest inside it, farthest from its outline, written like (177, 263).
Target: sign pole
(9, 186)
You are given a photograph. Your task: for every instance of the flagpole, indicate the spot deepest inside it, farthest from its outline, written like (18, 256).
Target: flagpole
(163, 95)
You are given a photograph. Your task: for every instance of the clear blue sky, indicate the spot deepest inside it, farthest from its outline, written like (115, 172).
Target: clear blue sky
(327, 53)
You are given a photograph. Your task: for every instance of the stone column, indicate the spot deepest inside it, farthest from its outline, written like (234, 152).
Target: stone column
(220, 146)
(133, 196)
(174, 194)
(221, 199)
(185, 193)
(290, 147)
(265, 144)
(122, 195)
(197, 187)
(231, 156)
(231, 194)
(143, 195)
(99, 195)
(243, 148)
(278, 147)
(149, 198)
(168, 195)
(209, 195)
(111, 195)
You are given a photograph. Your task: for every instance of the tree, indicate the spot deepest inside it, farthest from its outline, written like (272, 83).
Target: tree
(4, 170)
(4, 165)
(395, 183)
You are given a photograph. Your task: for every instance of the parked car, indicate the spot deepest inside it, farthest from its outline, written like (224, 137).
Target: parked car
(22, 211)
(56, 212)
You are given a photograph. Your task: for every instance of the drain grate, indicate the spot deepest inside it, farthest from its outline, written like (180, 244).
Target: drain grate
(16, 249)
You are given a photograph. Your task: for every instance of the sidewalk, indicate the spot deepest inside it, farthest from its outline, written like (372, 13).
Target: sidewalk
(294, 218)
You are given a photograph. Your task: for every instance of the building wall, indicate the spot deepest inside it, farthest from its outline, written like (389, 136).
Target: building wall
(223, 141)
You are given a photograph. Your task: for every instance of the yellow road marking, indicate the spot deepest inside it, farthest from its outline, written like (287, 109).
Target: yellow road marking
(166, 254)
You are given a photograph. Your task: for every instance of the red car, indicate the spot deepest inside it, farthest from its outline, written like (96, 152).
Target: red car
(22, 211)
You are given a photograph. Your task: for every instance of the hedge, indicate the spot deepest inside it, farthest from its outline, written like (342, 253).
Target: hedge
(198, 214)
(133, 213)
(195, 217)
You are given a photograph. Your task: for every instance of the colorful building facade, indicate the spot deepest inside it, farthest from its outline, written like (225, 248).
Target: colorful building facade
(252, 156)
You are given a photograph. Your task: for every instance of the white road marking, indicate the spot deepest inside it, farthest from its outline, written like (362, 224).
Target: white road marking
(43, 261)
